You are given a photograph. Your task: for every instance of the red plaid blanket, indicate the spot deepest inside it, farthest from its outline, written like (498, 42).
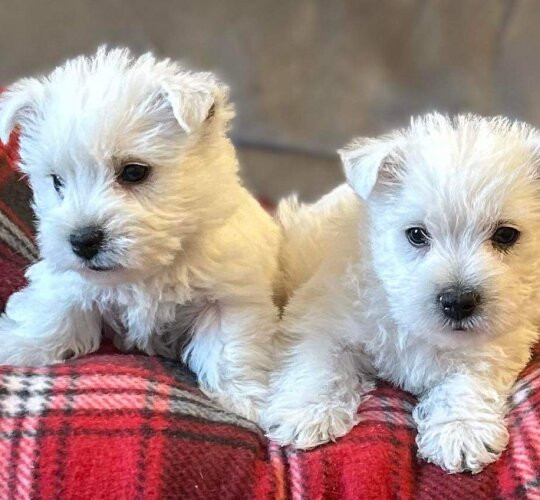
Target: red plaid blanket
(132, 426)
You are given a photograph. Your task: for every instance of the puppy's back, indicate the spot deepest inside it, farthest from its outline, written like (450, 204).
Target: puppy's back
(324, 231)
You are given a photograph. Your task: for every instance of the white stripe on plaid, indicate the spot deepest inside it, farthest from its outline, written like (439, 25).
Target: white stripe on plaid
(16, 239)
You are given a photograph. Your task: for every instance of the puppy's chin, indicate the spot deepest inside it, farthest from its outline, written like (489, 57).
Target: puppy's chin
(100, 272)
(110, 276)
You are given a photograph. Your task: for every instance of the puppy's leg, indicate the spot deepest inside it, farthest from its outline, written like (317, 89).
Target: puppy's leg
(231, 353)
(321, 378)
(461, 423)
(44, 323)
(315, 396)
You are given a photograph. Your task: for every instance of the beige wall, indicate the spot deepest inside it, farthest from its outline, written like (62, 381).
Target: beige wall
(306, 75)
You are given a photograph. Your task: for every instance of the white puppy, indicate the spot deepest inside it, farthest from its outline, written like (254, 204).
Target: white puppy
(427, 273)
(142, 224)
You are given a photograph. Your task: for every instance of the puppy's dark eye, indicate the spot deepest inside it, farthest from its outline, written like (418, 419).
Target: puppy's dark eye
(58, 183)
(133, 173)
(505, 236)
(417, 236)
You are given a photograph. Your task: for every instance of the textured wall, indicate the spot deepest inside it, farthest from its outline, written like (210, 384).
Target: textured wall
(307, 75)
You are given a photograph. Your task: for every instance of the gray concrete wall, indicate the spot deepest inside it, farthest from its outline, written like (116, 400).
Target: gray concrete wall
(306, 75)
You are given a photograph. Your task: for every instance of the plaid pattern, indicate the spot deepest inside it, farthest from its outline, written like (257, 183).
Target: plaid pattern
(122, 426)
(16, 244)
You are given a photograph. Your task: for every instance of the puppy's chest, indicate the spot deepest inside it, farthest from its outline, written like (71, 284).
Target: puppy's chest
(409, 362)
(174, 328)
(139, 317)
(413, 367)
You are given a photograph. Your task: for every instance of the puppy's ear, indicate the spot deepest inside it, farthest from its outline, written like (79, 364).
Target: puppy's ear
(18, 105)
(368, 162)
(535, 155)
(195, 98)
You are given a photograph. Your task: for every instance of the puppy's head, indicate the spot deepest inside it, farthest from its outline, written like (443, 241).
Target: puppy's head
(454, 207)
(122, 155)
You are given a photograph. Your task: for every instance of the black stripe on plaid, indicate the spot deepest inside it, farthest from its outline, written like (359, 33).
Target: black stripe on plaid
(65, 430)
(145, 430)
(177, 433)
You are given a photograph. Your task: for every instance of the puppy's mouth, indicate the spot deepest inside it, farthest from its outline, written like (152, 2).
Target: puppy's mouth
(102, 264)
(105, 261)
(461, 326)
(102, 269)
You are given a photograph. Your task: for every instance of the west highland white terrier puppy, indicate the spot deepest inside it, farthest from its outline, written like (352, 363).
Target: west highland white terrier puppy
(426, 273)
(142, 224)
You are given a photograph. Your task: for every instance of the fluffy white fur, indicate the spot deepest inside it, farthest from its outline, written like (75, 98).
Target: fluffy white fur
(364, 300)
(192, 256)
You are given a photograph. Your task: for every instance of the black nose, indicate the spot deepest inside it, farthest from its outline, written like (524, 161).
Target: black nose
(86, 242)
(458, 305)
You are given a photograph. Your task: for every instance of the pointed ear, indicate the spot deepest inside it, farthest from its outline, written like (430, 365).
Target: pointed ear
(368, 162)
(194, 98)
(534, 142)
(18, 105)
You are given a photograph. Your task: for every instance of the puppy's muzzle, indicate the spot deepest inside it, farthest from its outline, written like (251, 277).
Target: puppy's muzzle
(87, 242)
(458, 305)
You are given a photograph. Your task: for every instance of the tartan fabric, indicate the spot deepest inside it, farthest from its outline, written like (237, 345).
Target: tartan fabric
(123, 426)
(16, 245)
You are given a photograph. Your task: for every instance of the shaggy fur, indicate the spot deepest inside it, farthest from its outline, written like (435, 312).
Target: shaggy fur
(365, 300)
(189, 258)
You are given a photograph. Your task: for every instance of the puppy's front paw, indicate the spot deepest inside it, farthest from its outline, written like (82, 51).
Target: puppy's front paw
(310, 425)
(12, 352)
(19, 347)
(465, 444)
